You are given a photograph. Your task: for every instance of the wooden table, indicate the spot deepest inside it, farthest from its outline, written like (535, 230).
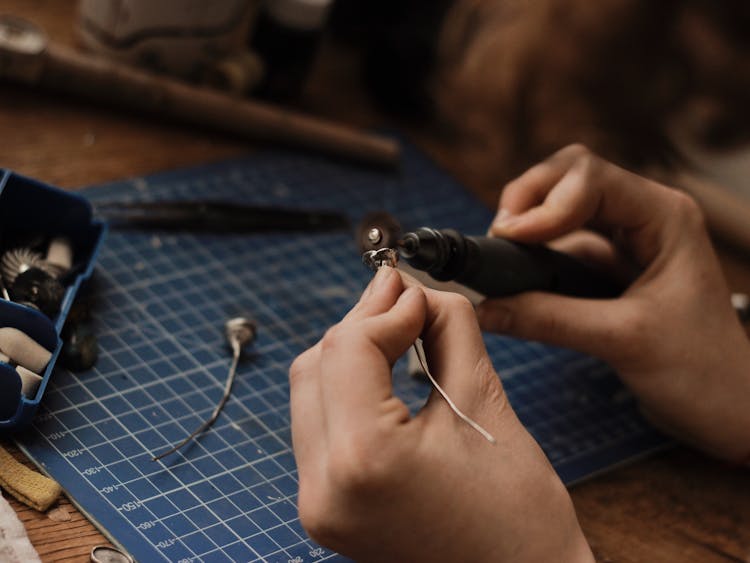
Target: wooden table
(675, 506)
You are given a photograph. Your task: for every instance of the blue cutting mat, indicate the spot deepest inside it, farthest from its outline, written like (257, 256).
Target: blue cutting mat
(162, 300)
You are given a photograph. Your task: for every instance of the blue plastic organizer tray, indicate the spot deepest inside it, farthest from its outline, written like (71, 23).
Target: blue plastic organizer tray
(161, 303)
(30, 207)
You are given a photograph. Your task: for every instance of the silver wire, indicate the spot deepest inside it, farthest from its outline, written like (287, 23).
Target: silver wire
(423, 361)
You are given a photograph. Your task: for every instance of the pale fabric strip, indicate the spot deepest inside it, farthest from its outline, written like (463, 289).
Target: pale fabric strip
(15, 546)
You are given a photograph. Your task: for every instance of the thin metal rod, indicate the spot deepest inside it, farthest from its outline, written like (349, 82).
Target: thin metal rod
(423, 361)
(207, 424)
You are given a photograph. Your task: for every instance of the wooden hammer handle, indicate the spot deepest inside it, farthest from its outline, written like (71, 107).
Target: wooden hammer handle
(104, 81)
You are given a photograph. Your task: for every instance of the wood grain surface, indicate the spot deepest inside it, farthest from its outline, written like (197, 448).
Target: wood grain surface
(675, 506)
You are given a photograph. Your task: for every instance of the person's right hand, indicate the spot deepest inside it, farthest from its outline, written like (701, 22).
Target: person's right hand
(378, 484)
(673, 335)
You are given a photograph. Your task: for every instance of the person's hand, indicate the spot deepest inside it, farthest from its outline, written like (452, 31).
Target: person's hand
(377, 484)
(672, 336)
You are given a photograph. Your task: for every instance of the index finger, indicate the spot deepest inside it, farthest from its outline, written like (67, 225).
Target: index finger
(575, 189)
(358, 355)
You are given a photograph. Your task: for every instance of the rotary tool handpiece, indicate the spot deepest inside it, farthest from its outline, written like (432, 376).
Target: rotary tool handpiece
(498, 267)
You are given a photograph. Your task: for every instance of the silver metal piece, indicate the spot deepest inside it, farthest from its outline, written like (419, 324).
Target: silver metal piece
(374, 236)
(109, 554)
(240, 332)
(375, 259)
(422, 357)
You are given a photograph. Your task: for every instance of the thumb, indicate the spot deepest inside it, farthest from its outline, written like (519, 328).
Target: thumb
(592, 326)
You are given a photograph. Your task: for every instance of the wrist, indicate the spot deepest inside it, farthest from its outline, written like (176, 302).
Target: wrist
(557, 534)
(708, 410)
(580, 551)
(570, 547)
(574, 548)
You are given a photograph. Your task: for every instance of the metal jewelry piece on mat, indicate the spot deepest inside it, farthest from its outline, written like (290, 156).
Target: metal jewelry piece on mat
(240, 331)
(374, 259)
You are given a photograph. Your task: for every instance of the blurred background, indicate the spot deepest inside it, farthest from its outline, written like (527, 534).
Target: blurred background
(488, 87)
(646, 84)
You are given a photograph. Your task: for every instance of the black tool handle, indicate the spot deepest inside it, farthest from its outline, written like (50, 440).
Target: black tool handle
(498, 267)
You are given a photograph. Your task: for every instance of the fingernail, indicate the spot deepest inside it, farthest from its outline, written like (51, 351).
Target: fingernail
(381, 276)
(494, 317)
(504, 219)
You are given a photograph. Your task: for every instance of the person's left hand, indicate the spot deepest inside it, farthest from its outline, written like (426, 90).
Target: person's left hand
(672, 336)
(377, 484)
